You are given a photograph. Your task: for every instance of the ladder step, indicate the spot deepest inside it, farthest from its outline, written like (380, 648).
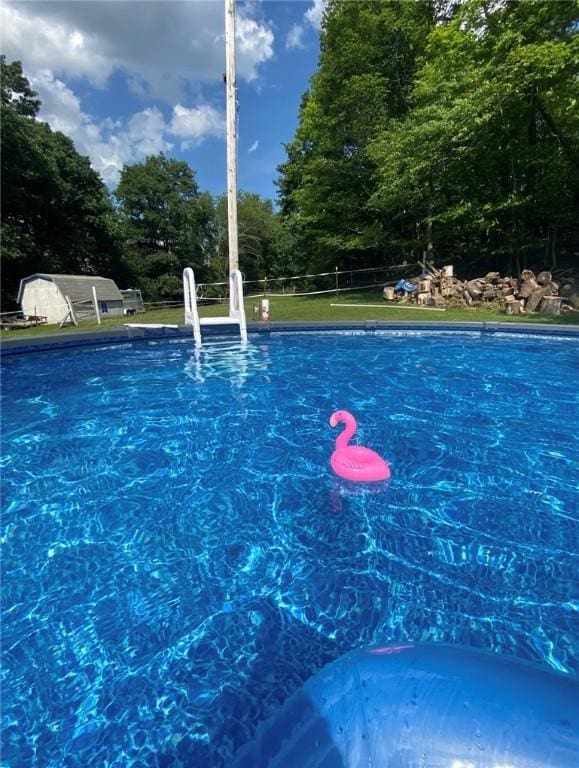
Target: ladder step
(149, 325)
(218, 321)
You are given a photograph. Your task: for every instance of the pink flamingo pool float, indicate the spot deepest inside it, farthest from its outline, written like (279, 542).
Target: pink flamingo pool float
(354, 462)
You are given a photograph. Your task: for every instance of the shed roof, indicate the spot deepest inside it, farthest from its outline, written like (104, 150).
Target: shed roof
(78, 287)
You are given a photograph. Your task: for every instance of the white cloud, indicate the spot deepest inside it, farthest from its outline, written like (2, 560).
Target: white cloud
(111, 144)
(294, 37)
(253, 147)
(254, 44)
(145, 133)
(166, 50)
(43, 45)
(159, 46)
(315, 13)
(196, 123)
(312, 18)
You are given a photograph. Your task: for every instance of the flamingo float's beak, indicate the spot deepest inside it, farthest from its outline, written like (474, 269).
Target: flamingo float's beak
(334, 419)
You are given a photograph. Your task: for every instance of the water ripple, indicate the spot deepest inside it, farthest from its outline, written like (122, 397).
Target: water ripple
(178, 557)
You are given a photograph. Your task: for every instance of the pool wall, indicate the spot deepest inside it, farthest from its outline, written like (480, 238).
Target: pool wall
(124, 335)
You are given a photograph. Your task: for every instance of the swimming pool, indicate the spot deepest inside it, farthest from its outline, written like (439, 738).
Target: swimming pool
(178, 557)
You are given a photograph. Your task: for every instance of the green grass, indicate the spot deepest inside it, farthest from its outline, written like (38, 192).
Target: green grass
(317, 308)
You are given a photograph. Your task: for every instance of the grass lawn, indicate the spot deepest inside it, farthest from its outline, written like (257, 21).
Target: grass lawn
(319, 308)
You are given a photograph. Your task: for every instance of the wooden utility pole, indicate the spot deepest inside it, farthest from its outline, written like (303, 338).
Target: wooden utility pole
(231, 133)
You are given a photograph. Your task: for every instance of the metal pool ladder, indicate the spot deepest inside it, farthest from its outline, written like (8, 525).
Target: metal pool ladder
(236, 309)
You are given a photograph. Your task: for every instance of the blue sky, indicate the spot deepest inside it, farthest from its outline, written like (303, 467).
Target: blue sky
(129, 79)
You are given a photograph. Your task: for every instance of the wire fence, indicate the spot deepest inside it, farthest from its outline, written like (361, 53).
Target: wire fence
(311, 284)
(318, 283)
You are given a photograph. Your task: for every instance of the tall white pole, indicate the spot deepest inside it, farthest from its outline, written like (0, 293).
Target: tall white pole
(231, 134)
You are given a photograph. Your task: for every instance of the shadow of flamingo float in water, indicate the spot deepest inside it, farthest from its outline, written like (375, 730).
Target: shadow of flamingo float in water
(354, 462)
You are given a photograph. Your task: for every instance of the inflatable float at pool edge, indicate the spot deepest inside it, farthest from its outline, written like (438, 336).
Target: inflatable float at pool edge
(423, 706)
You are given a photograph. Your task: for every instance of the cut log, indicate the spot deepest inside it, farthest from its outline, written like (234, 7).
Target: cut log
(388, 293)
(512, 306)
(550, 305)
(550, 289)
(432, 272)
(544, 278)
(535, 299)
(474, 288)
(526, 274)
(528, 287)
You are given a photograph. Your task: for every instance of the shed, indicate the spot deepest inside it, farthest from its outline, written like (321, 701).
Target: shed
(43, 294)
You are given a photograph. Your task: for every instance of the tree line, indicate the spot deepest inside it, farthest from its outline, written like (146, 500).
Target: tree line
(59, 217)
(441, 129)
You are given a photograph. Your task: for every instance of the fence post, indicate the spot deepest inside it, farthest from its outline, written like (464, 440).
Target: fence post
(96, 304)
(337, 283)
(70, 312)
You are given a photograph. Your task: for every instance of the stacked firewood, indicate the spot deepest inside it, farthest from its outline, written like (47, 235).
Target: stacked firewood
(529, 293)
(535, 294)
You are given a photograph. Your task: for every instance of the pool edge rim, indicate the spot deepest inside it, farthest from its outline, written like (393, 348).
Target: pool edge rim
(124, 334)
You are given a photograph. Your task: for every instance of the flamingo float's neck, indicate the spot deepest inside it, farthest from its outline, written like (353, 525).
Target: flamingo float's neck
(350, 429)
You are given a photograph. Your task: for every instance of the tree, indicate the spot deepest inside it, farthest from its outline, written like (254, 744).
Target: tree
(261, 245)
(16, 92)
(168, 224)
(56, 214)
(365, 77)
(443, 127)
(487, 160)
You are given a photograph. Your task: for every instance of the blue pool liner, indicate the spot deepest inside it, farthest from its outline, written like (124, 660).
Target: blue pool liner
(424, 705)
(21, 344)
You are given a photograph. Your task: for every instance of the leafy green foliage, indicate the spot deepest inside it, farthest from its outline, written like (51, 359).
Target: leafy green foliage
(367, 63)
(262, 242)
(487, 152)
(56, 214)
(168, 224)
(15, 90)
(458, 125)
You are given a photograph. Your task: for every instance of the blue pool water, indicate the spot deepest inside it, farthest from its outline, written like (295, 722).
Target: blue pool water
(178, 558)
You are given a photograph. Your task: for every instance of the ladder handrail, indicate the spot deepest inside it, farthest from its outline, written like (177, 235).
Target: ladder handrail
(236, 306)
(191, 312)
